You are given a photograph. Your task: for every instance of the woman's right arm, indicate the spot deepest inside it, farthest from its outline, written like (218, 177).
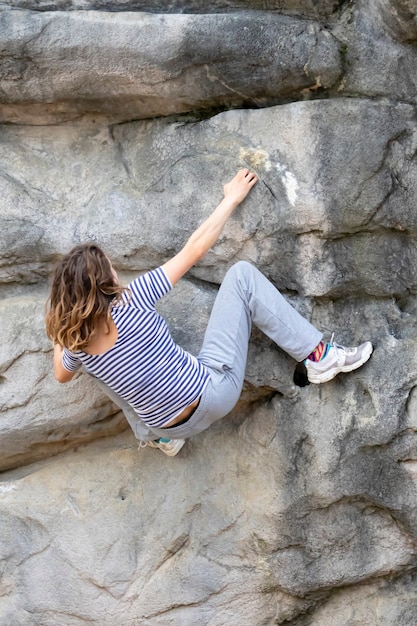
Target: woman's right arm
(207, 234)
(61, 374)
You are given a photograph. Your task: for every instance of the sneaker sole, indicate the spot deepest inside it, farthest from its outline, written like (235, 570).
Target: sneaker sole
(325, 377)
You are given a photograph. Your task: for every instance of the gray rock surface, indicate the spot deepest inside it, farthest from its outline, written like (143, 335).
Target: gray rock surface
(300, 506)
(324, 196)
(303, 8)
(399, 18)
(60, 65)
(374, 60)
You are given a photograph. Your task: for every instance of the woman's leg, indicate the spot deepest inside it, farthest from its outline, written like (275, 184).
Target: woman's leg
(246, 296)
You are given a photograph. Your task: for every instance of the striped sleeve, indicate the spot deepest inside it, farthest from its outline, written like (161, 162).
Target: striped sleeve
(147, 289)
(70, 361)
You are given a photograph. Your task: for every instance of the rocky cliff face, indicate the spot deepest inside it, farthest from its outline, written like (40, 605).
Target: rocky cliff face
(120, 122)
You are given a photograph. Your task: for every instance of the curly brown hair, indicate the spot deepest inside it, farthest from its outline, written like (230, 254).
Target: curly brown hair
(83, 288)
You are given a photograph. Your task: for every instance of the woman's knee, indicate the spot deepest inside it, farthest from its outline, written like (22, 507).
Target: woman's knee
(241, 268)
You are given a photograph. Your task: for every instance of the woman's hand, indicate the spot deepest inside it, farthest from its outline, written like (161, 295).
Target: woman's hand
(207, 234)
(240, 185)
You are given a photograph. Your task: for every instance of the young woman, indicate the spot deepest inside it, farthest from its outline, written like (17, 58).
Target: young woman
(166, 393)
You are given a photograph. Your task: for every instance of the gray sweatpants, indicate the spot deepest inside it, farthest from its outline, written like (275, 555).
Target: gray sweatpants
(245, 296)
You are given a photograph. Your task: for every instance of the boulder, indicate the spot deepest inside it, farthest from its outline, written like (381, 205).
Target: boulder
(40, 417)
(398, 17)
(305, 509)
(330, 216)
(58, 66)
(304, 8)
(122, 120)
(378, 51)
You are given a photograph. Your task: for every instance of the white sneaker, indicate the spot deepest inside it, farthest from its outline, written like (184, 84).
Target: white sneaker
(338, 359)
(171, 447)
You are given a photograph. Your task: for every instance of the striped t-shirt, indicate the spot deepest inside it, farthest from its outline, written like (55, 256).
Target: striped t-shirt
(145, 366)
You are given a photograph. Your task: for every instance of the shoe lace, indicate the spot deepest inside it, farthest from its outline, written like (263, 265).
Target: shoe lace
(340, 350)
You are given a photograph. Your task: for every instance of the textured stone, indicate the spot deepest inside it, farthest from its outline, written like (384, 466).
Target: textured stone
(60, 65)
(331, 214)
(374, 60)
(378, 603)
(399, 17)
(259, 532)
(300, 506)
(40, 417)
(304, 8)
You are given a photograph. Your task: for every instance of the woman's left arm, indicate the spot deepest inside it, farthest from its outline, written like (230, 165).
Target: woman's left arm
(61, 374)
(207, 234)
